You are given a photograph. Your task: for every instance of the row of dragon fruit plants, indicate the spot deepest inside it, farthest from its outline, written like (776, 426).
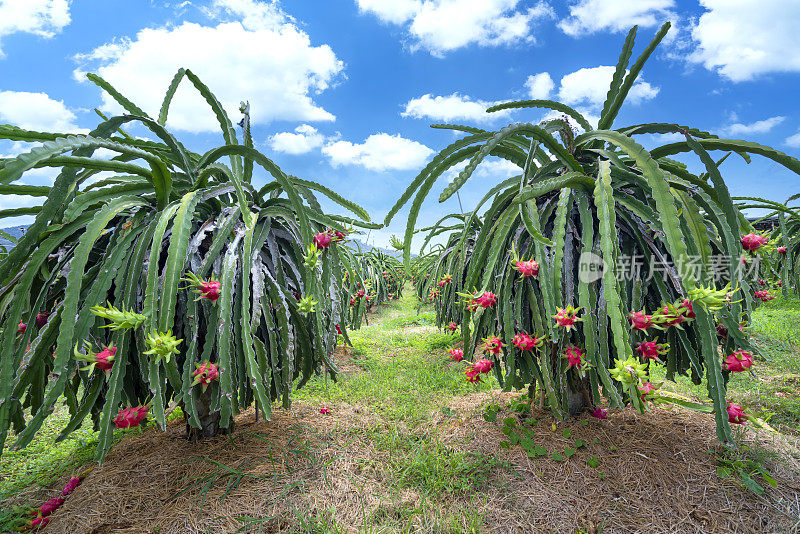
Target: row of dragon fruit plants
(515, 274)
(173, 280)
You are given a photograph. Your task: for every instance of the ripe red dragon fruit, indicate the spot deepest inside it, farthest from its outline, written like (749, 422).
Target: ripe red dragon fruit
(567, 317)
(205, 373)
(492, 345)
(763, 295)
(209, 290)
(650, 350)
(456, 355)
(21, 328)
(640, 321)
(646, 389)
(390, 296)
(738, 361)
(338, 235)
(322, 240)
(452, 327)
(483, 365)
(600, 413)
(39, 522)
(324, 410)
(70, 486)
(360, 293)
(689, 313)
(670, 315)
(352, 302)
(104, 360)
(781, 250)
(762, 282)
(753, 242)
(487, 300)
(574, 356)
(41, 318)
(130, 417)
(50, 506)
(528, 268)
(472, 374)
(446, 279)
(525, 342)
(338, 329)
(736, 414)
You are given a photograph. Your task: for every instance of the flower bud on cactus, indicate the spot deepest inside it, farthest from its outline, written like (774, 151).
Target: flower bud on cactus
(306, 305)
(738, 361)
(205, 373)
(120, 319)
(492, 345)
(567, 317)
(456, 355)
(162, 345)
(312, 256)
(628, 371)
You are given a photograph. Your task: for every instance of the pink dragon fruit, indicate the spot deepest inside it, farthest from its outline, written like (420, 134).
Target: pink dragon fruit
(456, 355)
(483, 365)
(209, 290)
(70, 486)
(753, 242)
(527, 269)
(525, 342)
(472, 374)
(650, 350)
(352, 302)
(492, 345)
(324, 410)
(446, 279)
(646, 389)
(21, 328)
(487, 300)
(781, 250)
(50, 506)
(39, 522)
(205, 373)
(640, 321)
(763, 295)
(600, 413)
(131, 417)
(360, 293)
(322, 240)
(104, 360)
(338, 329)
(574, 356)
(452, 327)
(736, 414)
(567, 317)
(738, 361)
(41, 318)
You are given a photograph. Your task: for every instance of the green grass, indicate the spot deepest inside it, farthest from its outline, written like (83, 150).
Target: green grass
(774, 385)
(407, 374)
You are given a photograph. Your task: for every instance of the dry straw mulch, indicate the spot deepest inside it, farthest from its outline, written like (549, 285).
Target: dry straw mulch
(660, 478)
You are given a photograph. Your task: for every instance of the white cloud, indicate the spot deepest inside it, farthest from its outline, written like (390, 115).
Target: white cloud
(451, 108)
(589, 86)
(36, 111)
(742, 39)
(762, 126)
(794, 140)
(590, 16)
(440, 26)
(491, 167)
(539, 86)
(45, 18)
(379, 152)
(304, 139)
(263, 58)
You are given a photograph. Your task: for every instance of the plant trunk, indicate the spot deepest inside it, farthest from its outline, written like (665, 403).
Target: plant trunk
(209, 420)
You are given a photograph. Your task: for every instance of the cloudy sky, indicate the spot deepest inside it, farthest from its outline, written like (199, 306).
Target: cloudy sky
(343, 91)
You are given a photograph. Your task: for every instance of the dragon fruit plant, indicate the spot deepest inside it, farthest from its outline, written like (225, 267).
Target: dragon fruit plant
(169, 259)
(371, 278)
(593, 192)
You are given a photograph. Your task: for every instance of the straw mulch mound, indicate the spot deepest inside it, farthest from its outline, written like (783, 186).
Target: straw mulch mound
(302, 466)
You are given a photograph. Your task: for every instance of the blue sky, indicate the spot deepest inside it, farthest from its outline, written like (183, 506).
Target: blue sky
(343, 91)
